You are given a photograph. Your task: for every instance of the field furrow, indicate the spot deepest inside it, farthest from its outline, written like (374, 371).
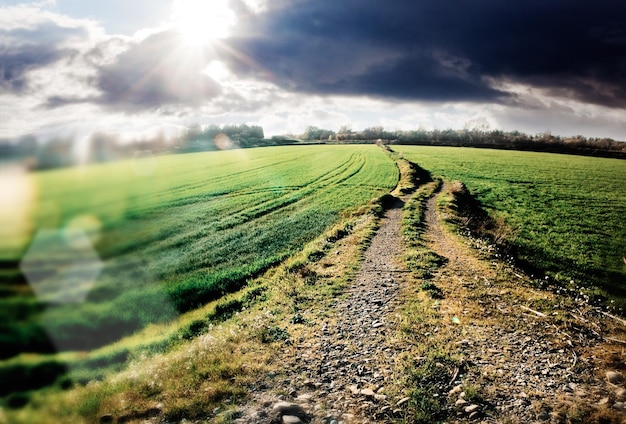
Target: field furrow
(194, 229)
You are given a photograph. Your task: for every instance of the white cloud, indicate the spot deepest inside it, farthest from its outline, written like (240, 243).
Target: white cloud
(61, 61)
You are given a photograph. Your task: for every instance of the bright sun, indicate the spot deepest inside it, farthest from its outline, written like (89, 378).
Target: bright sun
(201, 21)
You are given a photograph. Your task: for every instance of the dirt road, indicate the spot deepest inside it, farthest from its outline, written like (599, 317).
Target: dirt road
(518, 364)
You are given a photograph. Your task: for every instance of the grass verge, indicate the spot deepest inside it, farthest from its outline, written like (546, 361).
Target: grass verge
(462, 213)
(419, 259)
(566, 211)
(428, 367)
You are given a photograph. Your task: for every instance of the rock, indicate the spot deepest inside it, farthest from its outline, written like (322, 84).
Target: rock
(621, 394)
(105, 419)
(471, 408)
(614, 377)
(291, 419)
(354, 389)
(619, 405)
(460, 402)
(288, 408)
(603, 401)
(455, 390)
(307, 397)
(403, 401)
(367, 392)
(380, 397)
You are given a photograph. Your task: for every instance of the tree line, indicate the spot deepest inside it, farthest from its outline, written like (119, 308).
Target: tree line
(475, 137)
(105, 147)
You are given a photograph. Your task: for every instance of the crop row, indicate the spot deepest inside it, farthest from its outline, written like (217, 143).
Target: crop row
(195, 228)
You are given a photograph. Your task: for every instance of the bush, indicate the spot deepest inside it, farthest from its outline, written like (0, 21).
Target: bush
(23, 377)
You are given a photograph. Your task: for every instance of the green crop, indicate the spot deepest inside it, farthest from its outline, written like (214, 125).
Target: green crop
(175, 232)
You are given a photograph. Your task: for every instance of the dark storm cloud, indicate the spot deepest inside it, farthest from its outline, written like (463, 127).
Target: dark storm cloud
(438, 50)
(155, 72)
(25, 49)
(15, 63)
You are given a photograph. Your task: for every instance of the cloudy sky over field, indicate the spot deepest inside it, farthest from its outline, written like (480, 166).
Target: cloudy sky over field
(70, 67)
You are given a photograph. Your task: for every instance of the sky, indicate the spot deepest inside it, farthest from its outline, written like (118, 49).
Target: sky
(137, 68)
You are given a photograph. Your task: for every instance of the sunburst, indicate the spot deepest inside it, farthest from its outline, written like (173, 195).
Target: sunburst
(202, 21)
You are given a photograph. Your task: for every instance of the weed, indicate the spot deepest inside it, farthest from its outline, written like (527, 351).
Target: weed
(274, 334)
(472, 393)
(17, 400)
(297, 318)
(23, 377)
(423, 262)
(427, 380)
(254, 295)
(434, 291)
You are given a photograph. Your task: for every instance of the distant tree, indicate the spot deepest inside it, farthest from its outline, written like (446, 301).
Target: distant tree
(55, 153)
(27, 146)
(316, 133)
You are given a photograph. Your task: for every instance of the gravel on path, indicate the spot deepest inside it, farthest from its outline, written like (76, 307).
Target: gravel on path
(339, 374)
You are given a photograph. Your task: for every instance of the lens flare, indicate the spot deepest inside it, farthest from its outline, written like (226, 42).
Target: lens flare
(223, 142)
(17, 197)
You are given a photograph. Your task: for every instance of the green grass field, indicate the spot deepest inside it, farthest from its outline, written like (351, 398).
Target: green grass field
(567, 213)
(195, 228)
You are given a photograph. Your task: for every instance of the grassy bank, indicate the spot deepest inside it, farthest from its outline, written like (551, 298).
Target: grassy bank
(564, 214)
